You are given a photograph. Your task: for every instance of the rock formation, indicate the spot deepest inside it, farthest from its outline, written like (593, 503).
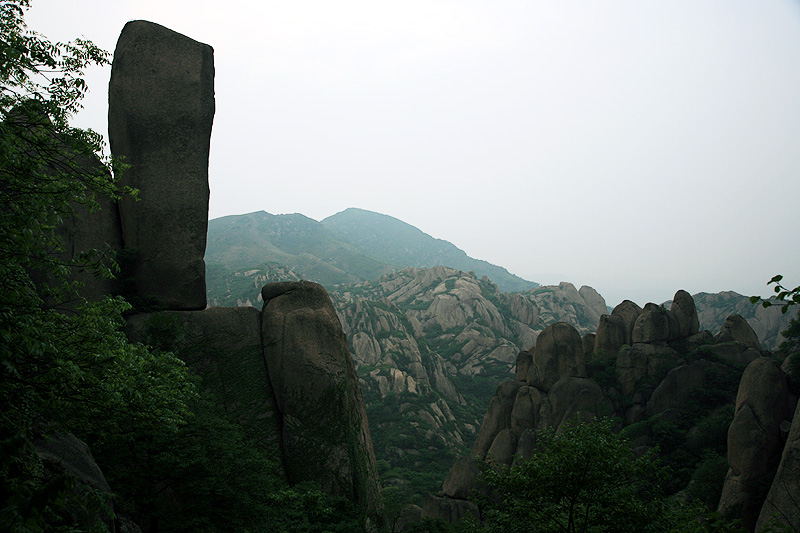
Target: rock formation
(755, 439)
(284, 375)
(325, 433)
(656, 372)
(161, 107)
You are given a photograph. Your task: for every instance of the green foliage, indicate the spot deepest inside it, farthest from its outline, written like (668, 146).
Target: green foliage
(64, 363)
(787, 297)
(584, 478)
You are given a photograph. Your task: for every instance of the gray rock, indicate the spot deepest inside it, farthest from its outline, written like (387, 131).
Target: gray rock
(502, 450)
(611, 335)
(781, 504)
(588, 341)
(524, 361)
(449, 509)
(680, 386)
(642, 362)
(755, 440)
(685, 313)
(525, 414)
(654, 325)
(629, 312)
(161, 108)
(460, 481)
(497, 418)
(526, 445)
(558, 353)
(736, 329)
(570, 397)
(326, 435)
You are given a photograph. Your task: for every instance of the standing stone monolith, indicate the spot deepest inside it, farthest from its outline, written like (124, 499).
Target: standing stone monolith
(160, 112)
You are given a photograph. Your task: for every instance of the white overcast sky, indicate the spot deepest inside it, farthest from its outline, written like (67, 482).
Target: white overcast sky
(637, 146)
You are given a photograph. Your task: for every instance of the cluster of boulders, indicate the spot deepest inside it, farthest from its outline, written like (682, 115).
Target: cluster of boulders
(288, 373)
(660, 360)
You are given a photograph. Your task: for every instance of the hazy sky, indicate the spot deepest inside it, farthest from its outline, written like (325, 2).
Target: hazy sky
(639, 147)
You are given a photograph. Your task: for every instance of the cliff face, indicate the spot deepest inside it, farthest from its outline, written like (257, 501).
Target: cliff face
(161, 107)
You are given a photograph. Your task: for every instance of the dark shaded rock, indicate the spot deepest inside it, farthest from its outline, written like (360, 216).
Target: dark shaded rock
(781, 504)
(587, 341)
(735, 353)
(754, 439)
(570, 397)
(525, 413)
(681, 385)
(685, 314)
(611, 335)
(497, 417)
(524, 361)
(629, 312)
(526, 445)
(223, 346)
(325, 430)
(654, 325)
(449, 509)
(161, 108)
(735, 328)
(643, 362)
(460, 480)
(558, 353)
(502, 450)
(66, 454)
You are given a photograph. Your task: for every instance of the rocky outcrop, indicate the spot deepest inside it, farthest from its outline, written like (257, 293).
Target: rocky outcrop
(65, 454)
(612, 334)
(755, 439)
(654, 325)
(685, 314)
(736, 329)
(161, 107)
(781, 505)
(629, 312)
(558, 353)
(325, 433)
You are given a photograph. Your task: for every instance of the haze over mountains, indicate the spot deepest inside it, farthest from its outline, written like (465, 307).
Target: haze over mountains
(350, 246)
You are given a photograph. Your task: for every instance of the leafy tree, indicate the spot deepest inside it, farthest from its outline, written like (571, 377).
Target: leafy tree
(583, 478)
(64, 363)
(786, 296)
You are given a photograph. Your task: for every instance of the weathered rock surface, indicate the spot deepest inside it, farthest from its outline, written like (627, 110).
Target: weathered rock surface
(558, 353)
(325, 430)
(681, 385)
(570, 397)
(736, 329)
(643, 362)
(685, 314)
(781, 504)
(460, 481)
(498, 417)
(612, 333)
(161, 108)
(629, 312)
(754, 439)
(449, 509)
(654, 325)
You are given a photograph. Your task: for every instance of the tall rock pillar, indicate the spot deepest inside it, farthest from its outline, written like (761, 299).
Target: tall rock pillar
(160, 112)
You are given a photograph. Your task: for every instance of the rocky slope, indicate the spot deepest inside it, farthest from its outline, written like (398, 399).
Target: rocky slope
(430, 346)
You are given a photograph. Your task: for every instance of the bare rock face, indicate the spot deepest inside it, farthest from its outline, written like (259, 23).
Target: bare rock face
(524, 362)
(588, 341)
(642, 362)
(460, 480)
(527, 406)
(679, 387)
(611, 335)
(629, 312)
(501, 452)
(754, 439)
(685, 313)
(781, 502)
(325, 430)
(161, 107)
(449, 509)
(497, 418)
(558, 353)
(736, 329)
(653, 325)
(569, 397)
